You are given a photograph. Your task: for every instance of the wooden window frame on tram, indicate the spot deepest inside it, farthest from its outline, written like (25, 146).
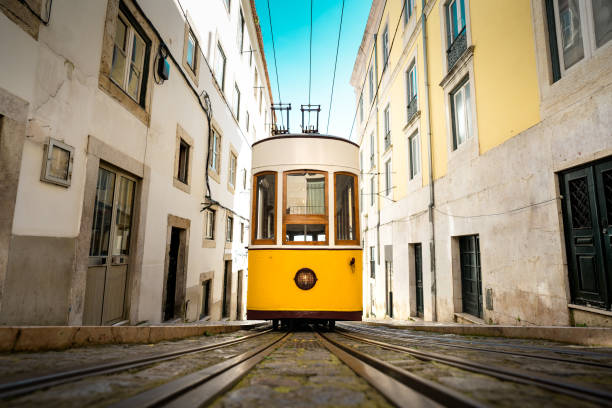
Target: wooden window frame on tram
(255, 241)
(356, 214)
(305, 219)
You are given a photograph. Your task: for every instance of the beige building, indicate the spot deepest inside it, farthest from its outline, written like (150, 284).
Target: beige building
(485, 133)
(118, 205)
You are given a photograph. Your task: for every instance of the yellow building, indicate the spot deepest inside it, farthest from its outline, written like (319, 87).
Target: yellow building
(485, 133)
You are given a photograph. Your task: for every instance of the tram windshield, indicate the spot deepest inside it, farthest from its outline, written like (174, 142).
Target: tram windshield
(305, 207)
(345, 207)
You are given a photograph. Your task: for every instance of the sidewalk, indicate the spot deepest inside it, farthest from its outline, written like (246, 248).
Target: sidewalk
(585, 336)
(39, 338)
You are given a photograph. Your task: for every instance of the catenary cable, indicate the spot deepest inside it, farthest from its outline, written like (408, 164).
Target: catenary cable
(331, 98)
(275, 63)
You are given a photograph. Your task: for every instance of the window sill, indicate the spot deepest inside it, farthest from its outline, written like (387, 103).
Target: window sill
(181, 186)
(214, 175)
(590, 309)
(467, 55)
(412, 120)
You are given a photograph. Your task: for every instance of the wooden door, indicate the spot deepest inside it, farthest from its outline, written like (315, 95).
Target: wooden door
(109, 248)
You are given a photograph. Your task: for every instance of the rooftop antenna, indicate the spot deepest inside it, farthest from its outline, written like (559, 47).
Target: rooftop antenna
(310, 109)
(282, 128)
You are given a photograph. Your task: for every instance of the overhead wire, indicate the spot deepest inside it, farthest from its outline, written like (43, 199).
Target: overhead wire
(310, 63)
(275, 63)
(331, 98)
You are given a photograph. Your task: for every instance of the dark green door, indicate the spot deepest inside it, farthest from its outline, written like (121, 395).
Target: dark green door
(587, 211)
(471, 285)
(418, 272)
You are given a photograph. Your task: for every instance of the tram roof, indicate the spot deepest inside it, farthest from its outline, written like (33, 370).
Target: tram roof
(305, 136)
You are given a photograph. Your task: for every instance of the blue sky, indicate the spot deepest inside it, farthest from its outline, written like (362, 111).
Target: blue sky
(291, 24)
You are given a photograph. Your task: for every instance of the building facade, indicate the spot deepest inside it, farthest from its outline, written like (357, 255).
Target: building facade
(485, 133)
(125, 145)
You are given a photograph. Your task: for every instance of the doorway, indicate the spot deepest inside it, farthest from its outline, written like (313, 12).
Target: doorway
(418, 274)
(227, 288)
(175, 273)
(587, 216)
(471, 284)
(109, 249)
(239, 296)
(205, 310)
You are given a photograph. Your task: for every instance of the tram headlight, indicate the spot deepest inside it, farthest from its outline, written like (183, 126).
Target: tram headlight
(305, 278)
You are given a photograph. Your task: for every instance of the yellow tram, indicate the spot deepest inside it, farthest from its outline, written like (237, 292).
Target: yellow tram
(305, 254)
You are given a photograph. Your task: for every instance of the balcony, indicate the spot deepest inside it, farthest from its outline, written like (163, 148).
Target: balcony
(456, 49)
(411, 109)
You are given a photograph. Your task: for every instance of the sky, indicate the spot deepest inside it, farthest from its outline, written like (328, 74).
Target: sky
(291, 25)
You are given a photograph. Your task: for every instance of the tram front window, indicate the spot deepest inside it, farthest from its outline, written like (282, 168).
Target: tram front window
(346, 203)
(265, 197)
(305, 207)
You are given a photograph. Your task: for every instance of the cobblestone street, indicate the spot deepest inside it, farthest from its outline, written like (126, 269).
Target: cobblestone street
(302, 372)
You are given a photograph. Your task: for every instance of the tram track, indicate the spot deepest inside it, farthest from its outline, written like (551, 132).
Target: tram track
(460, 343)
(596, 396)
(28, 385)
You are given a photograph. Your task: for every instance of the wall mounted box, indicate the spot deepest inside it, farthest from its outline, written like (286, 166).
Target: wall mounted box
(57, 163)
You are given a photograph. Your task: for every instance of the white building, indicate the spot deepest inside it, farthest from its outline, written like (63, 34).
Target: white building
(103, 162)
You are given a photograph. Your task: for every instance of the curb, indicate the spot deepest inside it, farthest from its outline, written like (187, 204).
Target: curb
(585, 336)
(42, 338)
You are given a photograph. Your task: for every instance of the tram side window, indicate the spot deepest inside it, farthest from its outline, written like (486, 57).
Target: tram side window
(305, 207)
(265, 202)
(346, 208)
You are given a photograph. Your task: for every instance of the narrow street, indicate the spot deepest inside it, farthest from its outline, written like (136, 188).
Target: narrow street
(301, 370)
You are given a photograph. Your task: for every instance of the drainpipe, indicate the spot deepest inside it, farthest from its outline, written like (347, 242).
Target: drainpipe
(432, 241)
(377, 158)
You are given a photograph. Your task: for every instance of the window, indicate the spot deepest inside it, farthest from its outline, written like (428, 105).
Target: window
(232, 170)
(372, 150)
(346, 209)
(372, 191)
(411, 82)
(192, 47)
(242, 232)
(215, 152)
(372, 262)
(220, 67)
(361, 169)
(228, 4)
(455, 11)
(240, 35)
(255, 86)
(305, 207)
(385, 47)
(462, 114)
(408, 5)
(388, 177)
(209, 224)
(414, 153)
(183, 162)
(371, 84)
(261, 101)
(580, 27)
(361, 108)
(387, 125)
(247, 120)
(229, 229)
(236, 106)
(264, 208)
(129, 51)
(244, 178)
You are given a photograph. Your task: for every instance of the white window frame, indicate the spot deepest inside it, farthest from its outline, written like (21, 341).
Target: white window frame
(408, 7)
(445, 30)
(387, 126)
(385, 47)
(388, 177)
(414, 155)
(220, 71)
(240, 34)
(371, 84)
(209, 224)
(372, 190)
(229, 229)
(236, 102)
(372, 151)
(361, 108)
(411, 86)
(587, 30)
(450, 20)
(130, 34)
(468, 120)
(191, 39)
(233, 166)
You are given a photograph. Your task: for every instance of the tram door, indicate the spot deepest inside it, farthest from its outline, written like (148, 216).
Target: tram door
(587, 210)
(109, 248)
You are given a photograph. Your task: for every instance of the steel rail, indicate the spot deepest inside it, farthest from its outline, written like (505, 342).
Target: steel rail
(20, 387)
(439, 342)
(401, 388)
(202, 387)
(604, 398)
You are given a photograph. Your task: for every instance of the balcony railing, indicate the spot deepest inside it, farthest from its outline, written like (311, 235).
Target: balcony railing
(411, 108)
(456, 49)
